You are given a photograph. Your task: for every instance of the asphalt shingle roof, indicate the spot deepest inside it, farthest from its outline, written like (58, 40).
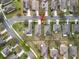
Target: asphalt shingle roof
(35, 5)
(73, 51)
(4, 2)
(54, 53)
(63, 4)
(26, 4)
(63, 49)
(2, 41)
(31, 55)
(54, 5)
(9, 8)
(43, 50)
(29, 29)
(38, 30)
(76, 27)
(6, 51)
(47, 29)
(13, 57)
(66, 29)
(56, 28)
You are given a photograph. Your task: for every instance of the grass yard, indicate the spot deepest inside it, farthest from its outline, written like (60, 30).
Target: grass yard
(19, 27)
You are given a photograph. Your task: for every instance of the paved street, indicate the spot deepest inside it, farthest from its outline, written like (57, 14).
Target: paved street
(16, 19)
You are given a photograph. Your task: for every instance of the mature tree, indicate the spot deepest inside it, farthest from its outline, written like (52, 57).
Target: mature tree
(17, 4)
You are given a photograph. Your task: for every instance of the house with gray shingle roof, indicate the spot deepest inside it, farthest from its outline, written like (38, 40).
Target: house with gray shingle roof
(73, 51)
(63, 4)
(29, 29)
(5, 2)
(2, 42)
(63, 49)
(44, 4)
(47, 29)
(56, 28)
(9, 8)
(5, 52)
(31, 55)
(66, 29)
(73, 5)
(44, 51)
(54, 4)
(76, 28)
(35, 5)
(13, 57)
(54, 53)
(38, 29)
(26, 4)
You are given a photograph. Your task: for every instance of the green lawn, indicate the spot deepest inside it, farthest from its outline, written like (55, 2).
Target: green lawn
(1, 56)
(19, 27)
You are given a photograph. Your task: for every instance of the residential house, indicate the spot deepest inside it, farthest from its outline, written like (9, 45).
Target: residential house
(13, 57)
(63, 4)
(26, 4)
(5, 2)
(2, 42)
(38, 29)
(30, 55)
(73, 51)
(54, 5)
(66, 29)
(73, 5)
(44, 51)
(5, 52)
(44, 4)
(35, 5)
(75, 28)
(64, 50)
(56, 28)
(29, 30)
(47, 29)
(54, 53)
(9, 8)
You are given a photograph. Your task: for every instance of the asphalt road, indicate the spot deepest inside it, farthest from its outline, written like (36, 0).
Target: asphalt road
(15, 19)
